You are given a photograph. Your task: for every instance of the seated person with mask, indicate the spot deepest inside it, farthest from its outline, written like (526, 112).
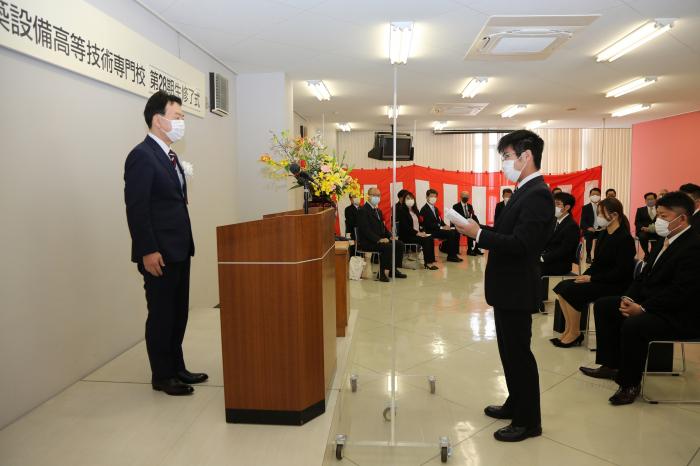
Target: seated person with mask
(610, 273)
(432, 223)
(643, 220)
(373, 235)
(466, 210)
(693, 191)
(507, 193)
(409, 229)
(660, 305)
(560, 251)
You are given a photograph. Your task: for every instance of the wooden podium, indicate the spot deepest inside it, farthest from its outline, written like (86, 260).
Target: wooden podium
(277, 296)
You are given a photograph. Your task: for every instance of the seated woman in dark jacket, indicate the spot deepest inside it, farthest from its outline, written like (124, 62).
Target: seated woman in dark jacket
(408, 228)
(609, 275)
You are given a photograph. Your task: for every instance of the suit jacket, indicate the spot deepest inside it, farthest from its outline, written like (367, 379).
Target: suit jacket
(642, 219)
(351, 213)
(515, 243)
(588, 214)
(499, 209)
(404, 223)
(669, 287)
(560, 251)
(695, 222)
(370, 225)
(432, 222)
(614, 258)
(470, 214)
(156, 205)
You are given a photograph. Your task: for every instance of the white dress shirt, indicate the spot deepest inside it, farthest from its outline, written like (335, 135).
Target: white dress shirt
(416, 223)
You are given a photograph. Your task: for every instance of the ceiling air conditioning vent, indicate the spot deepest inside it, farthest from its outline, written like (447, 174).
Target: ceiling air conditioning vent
(457, 109)
(218, 86)
(525, 37)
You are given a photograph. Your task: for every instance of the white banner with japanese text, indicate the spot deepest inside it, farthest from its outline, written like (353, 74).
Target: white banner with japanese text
(76, 36)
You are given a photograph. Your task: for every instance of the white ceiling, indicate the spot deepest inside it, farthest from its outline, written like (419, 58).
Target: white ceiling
(345, 42)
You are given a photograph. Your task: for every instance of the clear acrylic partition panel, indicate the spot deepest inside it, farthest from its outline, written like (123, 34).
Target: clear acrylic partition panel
(435, 335)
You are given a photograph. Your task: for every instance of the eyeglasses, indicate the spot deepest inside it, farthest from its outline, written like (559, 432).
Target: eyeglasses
(506, 155)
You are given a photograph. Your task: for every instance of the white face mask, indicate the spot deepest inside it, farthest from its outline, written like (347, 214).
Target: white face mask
(177, 130)
(374, 200)
(410, 203)
(510, 171)
(602, 222)
(595, 199)
(432, 200)
(661, 226)
(557, 212)
(356, 201)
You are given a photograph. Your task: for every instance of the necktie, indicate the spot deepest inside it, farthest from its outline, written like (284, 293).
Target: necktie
(663, 249)
(173, 159)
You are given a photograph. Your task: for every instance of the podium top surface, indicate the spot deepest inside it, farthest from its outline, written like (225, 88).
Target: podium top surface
(281, 238)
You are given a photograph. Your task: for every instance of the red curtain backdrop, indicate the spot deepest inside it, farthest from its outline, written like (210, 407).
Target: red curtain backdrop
(578, 181)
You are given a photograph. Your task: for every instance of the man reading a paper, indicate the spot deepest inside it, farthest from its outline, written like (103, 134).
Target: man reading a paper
(512, 279)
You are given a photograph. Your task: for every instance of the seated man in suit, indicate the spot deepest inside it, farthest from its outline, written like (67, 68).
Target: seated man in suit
(560, 251)
(643, 221)
(374, 236)
(660, 305)
(432, 223)
(588, 215)
(466, 210)
(507, 193)
(610, 193)
(351, 220)
(693, 191)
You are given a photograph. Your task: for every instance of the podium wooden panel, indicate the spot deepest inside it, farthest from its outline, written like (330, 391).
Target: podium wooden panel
(277, 297)
(341, 286)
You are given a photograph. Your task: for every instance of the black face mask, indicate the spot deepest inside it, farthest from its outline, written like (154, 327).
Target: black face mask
(465, 199)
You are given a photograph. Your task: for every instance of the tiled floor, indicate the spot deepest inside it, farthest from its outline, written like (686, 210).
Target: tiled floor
(442, 327)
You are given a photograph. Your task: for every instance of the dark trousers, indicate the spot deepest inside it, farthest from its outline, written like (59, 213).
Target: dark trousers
(513, 333)
(644, 239)
(167, 298)
(452, 238)
(384, 250)
(589, 236)
(623, 342)
(471, 244)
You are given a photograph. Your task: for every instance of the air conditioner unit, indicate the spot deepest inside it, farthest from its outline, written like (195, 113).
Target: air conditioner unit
(218, 103)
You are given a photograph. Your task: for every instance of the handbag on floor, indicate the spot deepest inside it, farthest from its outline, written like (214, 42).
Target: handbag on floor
(357, 265)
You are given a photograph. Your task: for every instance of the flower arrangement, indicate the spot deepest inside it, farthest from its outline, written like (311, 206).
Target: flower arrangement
(330, 175)
(187, 168)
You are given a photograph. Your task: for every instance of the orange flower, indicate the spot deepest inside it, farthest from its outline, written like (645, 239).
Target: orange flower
(265, 158)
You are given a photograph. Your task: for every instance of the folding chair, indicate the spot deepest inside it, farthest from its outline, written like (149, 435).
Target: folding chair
(577, 258)
(372, 254)
(647, 372)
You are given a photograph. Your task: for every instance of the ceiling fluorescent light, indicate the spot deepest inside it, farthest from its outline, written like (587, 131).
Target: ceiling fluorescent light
(400, 36)
(474, 86)
(631, 109)
(634, 39)
(631, 86)
(344, 127)
(439, 125)
(535, 124)
(319, 89)
(513, 110)
(390, 111)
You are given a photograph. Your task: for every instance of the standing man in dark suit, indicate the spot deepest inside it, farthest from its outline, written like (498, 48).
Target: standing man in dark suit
(512, 280)
(466, 210)
(351, 220)
(507, 193)
(155, 193)
(374, 236)
(693, 191)
(560, 251)
(643, 221)
(660, 305)
(433, 223)
(588, 227)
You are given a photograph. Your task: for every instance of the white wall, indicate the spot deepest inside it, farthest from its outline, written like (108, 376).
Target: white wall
(265, 103)
(70, 299)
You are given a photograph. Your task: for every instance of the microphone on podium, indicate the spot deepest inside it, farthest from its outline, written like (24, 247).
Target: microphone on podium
(295, 169)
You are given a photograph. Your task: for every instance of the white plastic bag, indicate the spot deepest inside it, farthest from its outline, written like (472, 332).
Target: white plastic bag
(357, 265)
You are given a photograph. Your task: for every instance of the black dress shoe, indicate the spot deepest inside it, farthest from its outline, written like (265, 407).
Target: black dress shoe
(513, 433)
(431, 267)
(454, 259)
(172, 387)
(191, 378)
(577, 342)
(471, 253)
(555, 341)
(601, 372)
(625, 395)
(498, 412)
(478, 252)
(383, 278)
(398, 274)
